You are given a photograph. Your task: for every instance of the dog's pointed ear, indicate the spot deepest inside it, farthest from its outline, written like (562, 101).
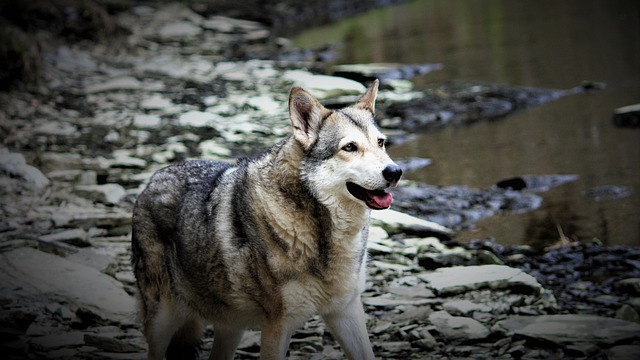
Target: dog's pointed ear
(368, 100)
(306, 115)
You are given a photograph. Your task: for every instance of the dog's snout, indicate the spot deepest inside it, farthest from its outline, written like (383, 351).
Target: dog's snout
(392, 173)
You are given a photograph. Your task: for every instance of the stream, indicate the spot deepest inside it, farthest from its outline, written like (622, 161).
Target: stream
(545, 44)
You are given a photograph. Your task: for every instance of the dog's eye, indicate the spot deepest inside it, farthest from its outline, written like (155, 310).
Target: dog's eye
(350, 147)
(381, 142)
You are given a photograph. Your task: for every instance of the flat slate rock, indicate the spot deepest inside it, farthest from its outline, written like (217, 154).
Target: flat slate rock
(455, 280)
(571, 329)
(42, 274)
(458, 327)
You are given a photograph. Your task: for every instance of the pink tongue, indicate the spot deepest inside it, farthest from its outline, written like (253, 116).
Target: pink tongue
(381, 200)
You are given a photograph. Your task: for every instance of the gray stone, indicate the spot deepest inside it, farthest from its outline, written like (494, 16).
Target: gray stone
(411, 291)
(146, 121)
(455, 280)
(17, 319)
(63, 311)
(464, 307)
(396, 222)
(630, 286)
(122, 159)
(105, 193)
(103, 262)
(457, 327)
(57, 341)
(198, 119)
(213, 149)
(628, 313)
(323, 86)
(48, 275)
(15, 165)
(110, 342)
(390, 301)
(178, 31)
(156, 102)
(117, 84)
(571, 329)
(77, 237)
(623, 352)
(57, 128)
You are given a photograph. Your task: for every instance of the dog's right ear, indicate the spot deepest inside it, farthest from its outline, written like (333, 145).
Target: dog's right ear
(306, 114)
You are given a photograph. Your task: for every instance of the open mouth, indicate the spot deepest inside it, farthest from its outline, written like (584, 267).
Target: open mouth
(375, 199)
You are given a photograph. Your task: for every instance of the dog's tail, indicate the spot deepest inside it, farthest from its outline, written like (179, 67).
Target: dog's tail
(185, 343)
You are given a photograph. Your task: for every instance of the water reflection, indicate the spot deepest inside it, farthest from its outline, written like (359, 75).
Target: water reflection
(552, 44)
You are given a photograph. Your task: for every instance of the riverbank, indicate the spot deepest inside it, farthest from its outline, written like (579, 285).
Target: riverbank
(185, 85)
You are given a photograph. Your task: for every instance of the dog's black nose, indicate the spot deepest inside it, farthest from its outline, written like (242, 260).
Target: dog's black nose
(392, 173)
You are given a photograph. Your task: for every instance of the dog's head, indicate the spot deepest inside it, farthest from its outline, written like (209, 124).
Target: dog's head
(345, 160)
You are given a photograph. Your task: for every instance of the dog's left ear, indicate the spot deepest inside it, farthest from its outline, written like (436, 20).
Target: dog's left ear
(306, 115)
(368, 100)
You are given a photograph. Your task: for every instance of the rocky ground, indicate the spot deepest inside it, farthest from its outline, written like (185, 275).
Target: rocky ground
(178, 84)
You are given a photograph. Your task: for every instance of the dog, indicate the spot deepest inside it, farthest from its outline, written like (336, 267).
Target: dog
(267, 242)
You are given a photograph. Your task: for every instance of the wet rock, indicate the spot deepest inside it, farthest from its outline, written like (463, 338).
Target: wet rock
(15, 165)
(608, 192)
(45, 275)
(76, 237)
(457, 256)
(198, 119)
(412, 163)
(572, 328)
(127, 83)
(179, 31)
(455, 280)
(623, 352)
(213, 149)
(628, 313)
(464, 103)
(105, 193)
(627, 116)
(383, 71)
(323, 86)
(102, 261)
(113, 343)
(395, 222)
(146, 121)
(629, 286)
(52, 342)
(155, 102)
(456, 206)
(16, 321)
(464, 307)
(458, 328)
(538, 183)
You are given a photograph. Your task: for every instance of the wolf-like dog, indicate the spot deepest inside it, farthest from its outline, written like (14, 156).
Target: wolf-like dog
(268, 242)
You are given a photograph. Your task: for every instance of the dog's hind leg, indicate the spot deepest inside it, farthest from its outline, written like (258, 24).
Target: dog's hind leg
(167, 325)
(225, 342)
(186, 342)
(350, 329)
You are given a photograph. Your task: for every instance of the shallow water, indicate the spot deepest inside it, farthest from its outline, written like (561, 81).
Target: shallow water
(551, 44)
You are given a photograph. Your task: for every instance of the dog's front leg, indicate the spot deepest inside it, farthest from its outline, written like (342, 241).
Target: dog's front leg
(349, 327)
(274, 340)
